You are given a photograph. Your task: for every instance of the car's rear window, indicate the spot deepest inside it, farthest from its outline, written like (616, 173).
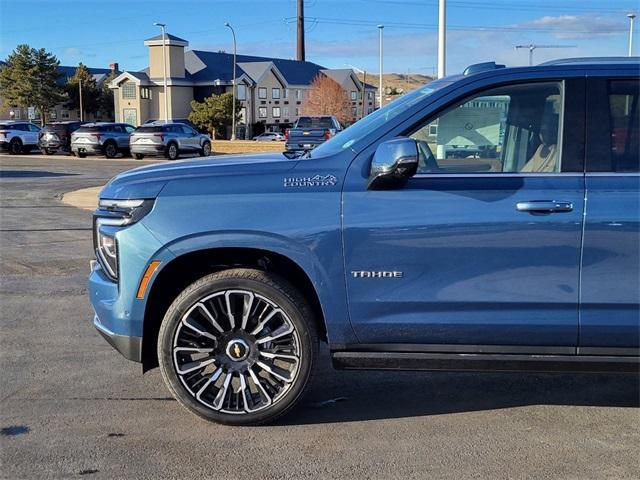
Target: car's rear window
(152, 129)
(93, 129)
(315, 122)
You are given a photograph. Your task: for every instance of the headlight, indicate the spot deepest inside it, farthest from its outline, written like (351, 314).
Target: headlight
(108, 219)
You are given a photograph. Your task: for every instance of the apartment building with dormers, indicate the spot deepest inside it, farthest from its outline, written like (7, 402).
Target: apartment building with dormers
(270, 90)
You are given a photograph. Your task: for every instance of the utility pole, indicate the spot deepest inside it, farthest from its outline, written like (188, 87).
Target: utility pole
(233, 108)
(631, 17)
(300, 49)
(532, 47)
(380, 90)
(80, 89)
(442, 38)
(164, 70)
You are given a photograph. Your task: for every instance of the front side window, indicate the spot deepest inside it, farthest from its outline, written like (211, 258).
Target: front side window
(275, 112)
(511, 129)
(262, 112)
(624, 125)
(262, 92)
(275, 93)
(129, 90)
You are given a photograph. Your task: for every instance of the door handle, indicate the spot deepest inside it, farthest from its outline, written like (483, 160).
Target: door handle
(544, 206)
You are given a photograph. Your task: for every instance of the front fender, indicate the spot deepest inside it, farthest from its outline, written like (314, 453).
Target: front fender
(328, 283)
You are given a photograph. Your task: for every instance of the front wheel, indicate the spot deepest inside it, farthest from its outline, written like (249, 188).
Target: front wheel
(15, 146)
(110, 150)
(138, 156)
(238, 347)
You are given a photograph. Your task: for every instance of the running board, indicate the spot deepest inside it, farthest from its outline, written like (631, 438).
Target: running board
(483, 362)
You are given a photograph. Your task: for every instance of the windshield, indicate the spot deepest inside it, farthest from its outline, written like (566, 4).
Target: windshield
(349, 136)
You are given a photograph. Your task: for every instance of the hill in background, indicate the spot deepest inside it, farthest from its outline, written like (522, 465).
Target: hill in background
(397, 83)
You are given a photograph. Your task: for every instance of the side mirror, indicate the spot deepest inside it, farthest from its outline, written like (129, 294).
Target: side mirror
(394, 162)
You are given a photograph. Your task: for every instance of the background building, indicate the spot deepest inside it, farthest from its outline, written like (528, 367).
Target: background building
(271, 90)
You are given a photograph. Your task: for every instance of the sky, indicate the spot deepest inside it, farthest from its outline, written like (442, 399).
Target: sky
(338, 33)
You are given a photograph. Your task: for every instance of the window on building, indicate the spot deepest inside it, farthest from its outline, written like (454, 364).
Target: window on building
(17, 114)
(354, 112)
(285, 93)
(275, 93)
(262, 112)
(275, 112)
(354, 95)
(285, 111)
(128, 90)
(64, 114)
(298, 94)
(145, 92)
(297, 112)
(243, 115)
(53, 115)
(262, 92)
(241, 92)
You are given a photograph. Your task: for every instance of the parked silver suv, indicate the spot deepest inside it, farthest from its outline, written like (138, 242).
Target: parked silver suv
(101, 138)
(169, 139)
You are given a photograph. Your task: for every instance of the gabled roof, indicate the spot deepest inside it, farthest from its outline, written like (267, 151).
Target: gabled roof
(67, 72)
(211, 66)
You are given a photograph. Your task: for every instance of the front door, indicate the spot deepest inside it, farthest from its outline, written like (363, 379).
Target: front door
(482, 246)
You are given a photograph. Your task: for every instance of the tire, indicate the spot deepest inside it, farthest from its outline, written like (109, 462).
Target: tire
(172, 152)
(110, 150)
(205, 151)
(47, 151)
(15, 146)
(138, 156)
(82, 155)
(237, 382)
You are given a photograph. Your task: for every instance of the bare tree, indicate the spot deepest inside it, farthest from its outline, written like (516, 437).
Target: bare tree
(326, 97)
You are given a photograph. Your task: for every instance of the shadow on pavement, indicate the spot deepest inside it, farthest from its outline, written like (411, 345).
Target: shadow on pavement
(32, 174)
(348, 396)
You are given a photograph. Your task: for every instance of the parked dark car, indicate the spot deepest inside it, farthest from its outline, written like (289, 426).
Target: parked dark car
(101, 138)
(56, 136)
(309, 132)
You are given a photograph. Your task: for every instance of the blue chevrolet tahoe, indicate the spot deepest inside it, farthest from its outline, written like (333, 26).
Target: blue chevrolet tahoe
(486, 221)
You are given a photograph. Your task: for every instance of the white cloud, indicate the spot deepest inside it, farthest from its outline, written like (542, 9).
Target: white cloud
(577, 26)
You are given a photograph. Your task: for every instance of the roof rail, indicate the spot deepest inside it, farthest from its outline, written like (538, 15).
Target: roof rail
(481, 67)
(601, 60)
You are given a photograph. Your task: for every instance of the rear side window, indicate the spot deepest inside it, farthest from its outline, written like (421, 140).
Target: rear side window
(315, 122)
(154, 129)
(93, 129)
(624, 125)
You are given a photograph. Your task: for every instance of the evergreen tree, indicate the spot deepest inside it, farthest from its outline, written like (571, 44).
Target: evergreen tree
(105, 100)
(29, 78)
(214, 113)
(90, 91)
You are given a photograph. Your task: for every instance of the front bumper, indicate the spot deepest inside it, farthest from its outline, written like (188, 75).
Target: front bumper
(129, 347)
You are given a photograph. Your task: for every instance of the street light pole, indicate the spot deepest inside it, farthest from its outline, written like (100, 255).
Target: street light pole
(164, 70)
(380, 92)
(233, 87)
(442, 37)
(80, 89)
(631, 17)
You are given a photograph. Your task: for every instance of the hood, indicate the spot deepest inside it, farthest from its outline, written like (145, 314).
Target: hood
(148, 181)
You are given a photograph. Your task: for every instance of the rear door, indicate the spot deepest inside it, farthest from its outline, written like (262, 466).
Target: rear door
(610, 305)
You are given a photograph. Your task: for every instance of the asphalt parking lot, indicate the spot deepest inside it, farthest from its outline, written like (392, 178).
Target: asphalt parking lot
(71, 407)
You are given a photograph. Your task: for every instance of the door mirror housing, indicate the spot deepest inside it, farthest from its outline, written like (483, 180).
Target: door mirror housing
(394, 162)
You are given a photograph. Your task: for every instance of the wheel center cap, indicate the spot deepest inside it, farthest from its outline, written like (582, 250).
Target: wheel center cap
(237, 350)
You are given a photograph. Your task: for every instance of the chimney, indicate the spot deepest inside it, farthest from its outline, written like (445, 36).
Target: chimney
(300, 49)
(114, 67)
